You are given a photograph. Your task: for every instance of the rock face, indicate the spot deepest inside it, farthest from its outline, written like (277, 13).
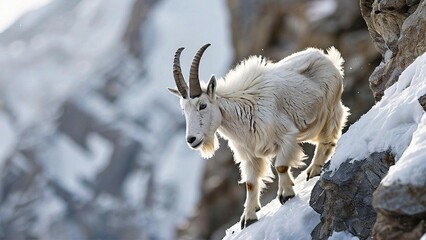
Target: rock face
(343, 198)
(397, 29)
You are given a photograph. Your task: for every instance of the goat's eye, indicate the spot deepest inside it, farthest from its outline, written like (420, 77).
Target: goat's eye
(202, 106)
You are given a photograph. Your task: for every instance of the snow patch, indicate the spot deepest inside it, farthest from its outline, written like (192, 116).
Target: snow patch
(70, 165)
(12, 10)
(48, 210)
(293, 220)
(411, 167)
(135, 187)
(99, 154)
(342, 235)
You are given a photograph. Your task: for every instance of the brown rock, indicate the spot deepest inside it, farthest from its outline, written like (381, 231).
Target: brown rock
(398, 29)
(401, 211)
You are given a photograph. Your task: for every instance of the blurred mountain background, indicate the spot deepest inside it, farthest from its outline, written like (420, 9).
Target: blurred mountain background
(92, 146)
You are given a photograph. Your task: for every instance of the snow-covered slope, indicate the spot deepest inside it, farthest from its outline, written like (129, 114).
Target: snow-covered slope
(293, 220)
(390, 124)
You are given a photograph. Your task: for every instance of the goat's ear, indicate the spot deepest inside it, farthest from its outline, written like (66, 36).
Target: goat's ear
(174, 92)
(211, 87)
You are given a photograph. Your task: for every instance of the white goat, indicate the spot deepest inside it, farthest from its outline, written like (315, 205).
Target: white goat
(264, 110)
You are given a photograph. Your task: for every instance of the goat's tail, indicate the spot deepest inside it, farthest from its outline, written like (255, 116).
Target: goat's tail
(334, 55)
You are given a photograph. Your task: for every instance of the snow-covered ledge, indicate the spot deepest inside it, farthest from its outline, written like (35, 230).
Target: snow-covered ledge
(400, 199)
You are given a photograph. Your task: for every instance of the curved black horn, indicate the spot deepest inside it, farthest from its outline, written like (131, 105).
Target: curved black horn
(177, 73)
(194, 80)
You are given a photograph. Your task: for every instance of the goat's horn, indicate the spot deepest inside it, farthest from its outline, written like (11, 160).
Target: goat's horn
(194, 80)
(177, 73)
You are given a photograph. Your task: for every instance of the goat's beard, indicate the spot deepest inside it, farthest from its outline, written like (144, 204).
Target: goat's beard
(209, 147)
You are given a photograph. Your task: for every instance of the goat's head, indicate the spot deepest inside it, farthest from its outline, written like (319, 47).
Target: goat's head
(199, 105)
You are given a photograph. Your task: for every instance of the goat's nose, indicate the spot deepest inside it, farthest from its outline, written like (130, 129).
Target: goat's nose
(190, 139)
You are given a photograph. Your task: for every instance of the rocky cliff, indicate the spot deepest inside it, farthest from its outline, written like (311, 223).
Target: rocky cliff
(400, 203)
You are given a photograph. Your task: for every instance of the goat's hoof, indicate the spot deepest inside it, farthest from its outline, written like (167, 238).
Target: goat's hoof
(311, 176)
(245, 223)
(250, 222)
(313, 171)
(284, 199)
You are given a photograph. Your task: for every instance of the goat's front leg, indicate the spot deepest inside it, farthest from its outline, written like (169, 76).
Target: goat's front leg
(285, 183)
(251, 206)
(252, 203)
(290, 154)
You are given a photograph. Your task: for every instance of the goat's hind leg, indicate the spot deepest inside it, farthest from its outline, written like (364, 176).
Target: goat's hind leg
(322, 152)
(327, 143)
(327, 140)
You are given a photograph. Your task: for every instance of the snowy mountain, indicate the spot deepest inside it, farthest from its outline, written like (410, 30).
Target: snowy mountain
(88, 149)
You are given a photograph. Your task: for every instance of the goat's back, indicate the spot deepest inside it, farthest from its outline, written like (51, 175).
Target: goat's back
(307, 87)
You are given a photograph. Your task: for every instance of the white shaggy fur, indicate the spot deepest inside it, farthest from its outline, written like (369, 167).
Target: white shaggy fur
(264, 110)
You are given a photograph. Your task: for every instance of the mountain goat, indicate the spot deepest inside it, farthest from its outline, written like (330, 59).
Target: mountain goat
(265, 110)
